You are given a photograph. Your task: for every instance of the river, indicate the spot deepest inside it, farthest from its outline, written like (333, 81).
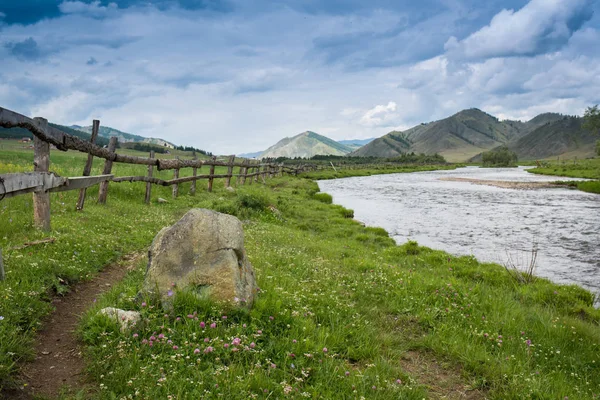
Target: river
(488, 222)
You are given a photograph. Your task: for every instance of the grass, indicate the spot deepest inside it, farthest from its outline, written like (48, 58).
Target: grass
(340, 306)
(345, 172)
(589, 169)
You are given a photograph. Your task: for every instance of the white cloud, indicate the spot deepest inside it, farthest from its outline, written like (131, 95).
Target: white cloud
(236, 83)
(539, 27)
(380, 115)
(93, 9)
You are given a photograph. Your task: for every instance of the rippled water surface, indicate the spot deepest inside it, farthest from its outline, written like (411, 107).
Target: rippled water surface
(488, 222)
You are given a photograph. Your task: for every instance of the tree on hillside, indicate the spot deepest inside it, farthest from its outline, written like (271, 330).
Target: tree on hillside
(592, 122)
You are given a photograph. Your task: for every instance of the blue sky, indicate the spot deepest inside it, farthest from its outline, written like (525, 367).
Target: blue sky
(233, 76)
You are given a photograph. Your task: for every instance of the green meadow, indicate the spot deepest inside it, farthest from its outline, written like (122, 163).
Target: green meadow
(343, 312)
(586, 168)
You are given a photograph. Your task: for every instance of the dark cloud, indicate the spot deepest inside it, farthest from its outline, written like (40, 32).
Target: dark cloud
(28, 11)
(31, 11)
(92, 61)
(27, 50)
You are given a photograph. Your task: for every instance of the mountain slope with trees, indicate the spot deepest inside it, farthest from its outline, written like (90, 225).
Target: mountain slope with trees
(457, 138)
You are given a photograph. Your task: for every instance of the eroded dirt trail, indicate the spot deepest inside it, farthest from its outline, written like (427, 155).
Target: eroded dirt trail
(58, 364)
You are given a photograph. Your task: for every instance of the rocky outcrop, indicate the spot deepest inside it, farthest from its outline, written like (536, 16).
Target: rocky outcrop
(202, 253)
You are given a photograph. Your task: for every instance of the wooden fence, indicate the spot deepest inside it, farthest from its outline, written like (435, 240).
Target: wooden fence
(41, 182)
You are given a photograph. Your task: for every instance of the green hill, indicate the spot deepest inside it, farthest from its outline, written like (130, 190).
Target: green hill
(18, 133)
(124, 137)
(556, 138)
(457, 138)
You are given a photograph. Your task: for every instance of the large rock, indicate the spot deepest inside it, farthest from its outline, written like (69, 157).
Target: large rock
(202, 253)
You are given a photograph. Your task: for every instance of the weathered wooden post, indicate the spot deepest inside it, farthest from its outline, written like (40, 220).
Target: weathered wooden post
(148, 184)
(176, 186)
(255, 172)
(103, 191)
(194, 174)
(229, 171)
(2, 275)
(41, 163)
(88, 165)
(211, 174)
(243, 172)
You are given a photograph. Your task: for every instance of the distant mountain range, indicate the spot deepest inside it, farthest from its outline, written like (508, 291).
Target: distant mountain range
(124, 137)
(306, 145)
(470, 132)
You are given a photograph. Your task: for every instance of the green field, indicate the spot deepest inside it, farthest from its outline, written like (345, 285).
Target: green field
(586, 168)
(343, 312)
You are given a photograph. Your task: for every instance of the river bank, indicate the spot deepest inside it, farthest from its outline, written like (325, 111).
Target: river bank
(343, 310)
(589, 169)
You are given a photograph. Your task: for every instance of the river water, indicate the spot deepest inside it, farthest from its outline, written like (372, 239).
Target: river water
(488, 222)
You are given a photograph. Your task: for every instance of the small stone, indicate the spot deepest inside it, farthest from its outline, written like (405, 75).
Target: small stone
(161, 200)
(230, 189)
(126, 319)
(45, 353)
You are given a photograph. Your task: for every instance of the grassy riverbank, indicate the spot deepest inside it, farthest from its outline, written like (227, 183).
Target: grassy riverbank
(589, 169)
(343, 312)
(384, 169)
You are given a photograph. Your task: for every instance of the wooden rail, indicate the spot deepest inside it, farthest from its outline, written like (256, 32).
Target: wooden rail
(41, 182)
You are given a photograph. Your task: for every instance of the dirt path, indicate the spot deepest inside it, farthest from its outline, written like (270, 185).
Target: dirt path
(58, 363)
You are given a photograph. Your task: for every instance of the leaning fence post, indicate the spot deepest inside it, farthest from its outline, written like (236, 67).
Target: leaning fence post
(194, 174)
(176, 186)
(148, 184)
(103, 191)
(41, 163)
(88, 165)
(211, 174)
(229, 171)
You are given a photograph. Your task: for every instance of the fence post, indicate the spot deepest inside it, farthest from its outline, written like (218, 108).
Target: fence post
(243, 172)
(176, 186)
(148, 184)
(194, 173)
(229, 171)
(2, 275)
(211, 174)
(41, 163)
(103, 191)
(88, 165)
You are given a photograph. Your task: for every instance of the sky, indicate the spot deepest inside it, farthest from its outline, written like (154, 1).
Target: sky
(235, 76)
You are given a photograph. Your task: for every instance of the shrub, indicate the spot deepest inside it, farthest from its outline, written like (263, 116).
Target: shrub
(347, 213)
(411, 248)
(500, 157)
(253, 200)
(323, 197)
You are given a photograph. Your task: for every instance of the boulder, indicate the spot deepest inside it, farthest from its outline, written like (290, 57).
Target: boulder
(203, 253)
(126, 319)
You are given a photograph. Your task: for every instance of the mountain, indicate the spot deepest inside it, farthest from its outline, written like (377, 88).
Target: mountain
(18, 133)
(554, 138)
(306, 145)
(457, 138)
(355, 144)
(256, 154)
(124, 137)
